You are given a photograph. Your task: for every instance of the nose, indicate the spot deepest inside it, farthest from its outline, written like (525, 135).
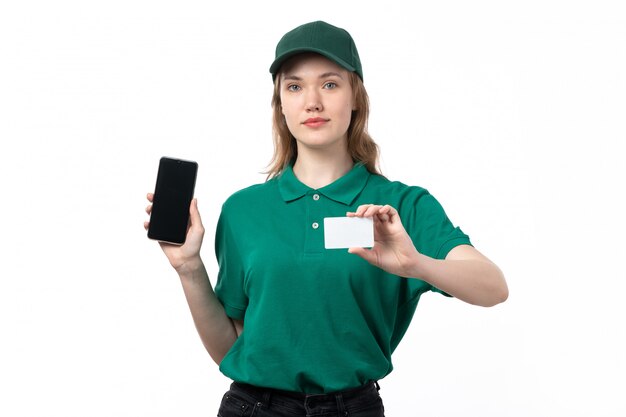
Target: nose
(313, 101)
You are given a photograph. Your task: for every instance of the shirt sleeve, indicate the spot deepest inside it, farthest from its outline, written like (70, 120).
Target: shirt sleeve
(230, 279)
(433, 233)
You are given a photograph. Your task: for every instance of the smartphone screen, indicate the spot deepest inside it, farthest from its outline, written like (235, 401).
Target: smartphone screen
(176, 180)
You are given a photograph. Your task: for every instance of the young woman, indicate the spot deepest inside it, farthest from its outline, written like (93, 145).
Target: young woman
(320, 324)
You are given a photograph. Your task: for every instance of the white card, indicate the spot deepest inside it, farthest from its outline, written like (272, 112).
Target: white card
(348, 232)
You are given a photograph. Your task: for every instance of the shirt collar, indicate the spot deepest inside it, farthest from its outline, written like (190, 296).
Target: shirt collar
(343, 190)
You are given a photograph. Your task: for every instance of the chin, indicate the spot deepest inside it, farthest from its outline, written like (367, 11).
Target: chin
(319, 142)
(319, 145)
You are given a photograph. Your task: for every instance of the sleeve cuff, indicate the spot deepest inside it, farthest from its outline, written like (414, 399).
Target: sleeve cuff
(234, 312)
(451, 244)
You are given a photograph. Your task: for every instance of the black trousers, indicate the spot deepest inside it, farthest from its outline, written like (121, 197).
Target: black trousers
(247, 400)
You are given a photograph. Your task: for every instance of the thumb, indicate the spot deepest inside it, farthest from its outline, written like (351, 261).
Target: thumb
(194, 213)
(367, 254)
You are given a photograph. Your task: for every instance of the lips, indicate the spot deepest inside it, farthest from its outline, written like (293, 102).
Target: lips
(315, 122)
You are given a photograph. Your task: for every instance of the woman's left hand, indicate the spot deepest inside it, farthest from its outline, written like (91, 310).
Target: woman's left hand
(393, 249)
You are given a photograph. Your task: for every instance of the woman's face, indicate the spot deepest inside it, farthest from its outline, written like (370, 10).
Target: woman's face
(316, 98)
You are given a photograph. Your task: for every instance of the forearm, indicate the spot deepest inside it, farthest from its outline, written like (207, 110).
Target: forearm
(215, 328)
(474, 281)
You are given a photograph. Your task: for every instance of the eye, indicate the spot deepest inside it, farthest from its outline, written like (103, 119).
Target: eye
(330, 85)
(293, 87)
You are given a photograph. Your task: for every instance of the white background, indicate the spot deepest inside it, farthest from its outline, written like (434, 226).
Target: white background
(510, 113)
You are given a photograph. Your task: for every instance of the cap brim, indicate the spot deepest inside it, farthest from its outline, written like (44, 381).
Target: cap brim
(288, 54)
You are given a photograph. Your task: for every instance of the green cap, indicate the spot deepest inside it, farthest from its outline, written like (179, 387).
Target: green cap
(330, 41)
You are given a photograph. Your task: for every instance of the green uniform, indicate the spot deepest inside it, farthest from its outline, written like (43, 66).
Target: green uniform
(318, 320)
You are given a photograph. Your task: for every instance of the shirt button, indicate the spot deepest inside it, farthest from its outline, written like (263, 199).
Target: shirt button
(315, 225)
(316, 197)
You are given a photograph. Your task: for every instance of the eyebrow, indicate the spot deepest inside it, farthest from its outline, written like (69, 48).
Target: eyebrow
(324, 75)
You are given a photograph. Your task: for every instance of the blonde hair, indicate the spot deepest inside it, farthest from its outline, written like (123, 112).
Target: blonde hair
(361, 146)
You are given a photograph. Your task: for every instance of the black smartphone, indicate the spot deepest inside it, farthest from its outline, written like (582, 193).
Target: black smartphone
(176, 180)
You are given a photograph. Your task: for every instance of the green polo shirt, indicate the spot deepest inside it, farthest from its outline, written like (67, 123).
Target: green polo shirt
(318, 320)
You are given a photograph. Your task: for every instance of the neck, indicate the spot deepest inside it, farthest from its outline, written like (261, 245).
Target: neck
(318, 169)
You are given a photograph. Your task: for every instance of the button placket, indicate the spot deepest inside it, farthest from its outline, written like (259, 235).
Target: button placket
(315, 225)
(314, 235)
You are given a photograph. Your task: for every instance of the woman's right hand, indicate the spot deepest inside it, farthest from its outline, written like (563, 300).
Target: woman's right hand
(187, 256)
